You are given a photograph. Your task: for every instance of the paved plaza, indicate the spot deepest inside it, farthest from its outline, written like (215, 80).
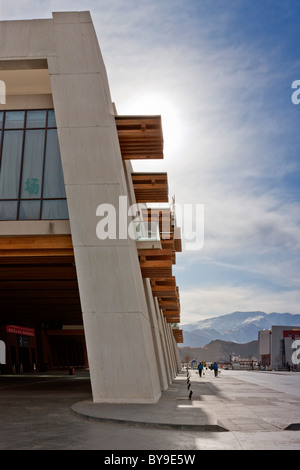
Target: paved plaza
(238, 410)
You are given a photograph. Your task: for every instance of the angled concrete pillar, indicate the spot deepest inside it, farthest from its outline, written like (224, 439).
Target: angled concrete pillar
(116, 320)
(166, 357)
(161, 367)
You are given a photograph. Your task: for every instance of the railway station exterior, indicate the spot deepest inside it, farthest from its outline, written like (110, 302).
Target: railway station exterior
(71, 293)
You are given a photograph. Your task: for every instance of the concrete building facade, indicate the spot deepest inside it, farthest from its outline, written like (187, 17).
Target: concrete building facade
(278, 348)
(65, 161)
(264, 347)
(283, 349)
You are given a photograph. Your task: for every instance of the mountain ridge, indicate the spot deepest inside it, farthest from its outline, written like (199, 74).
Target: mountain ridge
(220, 351)
(237, 327)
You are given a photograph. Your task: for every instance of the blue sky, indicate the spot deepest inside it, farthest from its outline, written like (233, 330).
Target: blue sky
(220, 74)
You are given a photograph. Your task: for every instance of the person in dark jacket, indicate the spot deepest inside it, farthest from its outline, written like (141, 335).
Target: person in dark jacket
(200, 368)
(215, 367)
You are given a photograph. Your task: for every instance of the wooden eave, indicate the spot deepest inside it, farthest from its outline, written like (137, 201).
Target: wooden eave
(171, 304)
(172, 320)
(150, 187)
(140, 137)
(164, 291)
(155, 263)
(38, 274)
(177, 239)
(156, 268)
(178, 335)
(36, 246)
(171, 313)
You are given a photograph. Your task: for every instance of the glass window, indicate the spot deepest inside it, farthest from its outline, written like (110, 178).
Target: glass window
(31, 177)
(51, 118)
(29, 210)
(54, 186)
(10, 164)
(14, 119)
(8, 210)
(55, 209)
(36, 119)
(33, 164)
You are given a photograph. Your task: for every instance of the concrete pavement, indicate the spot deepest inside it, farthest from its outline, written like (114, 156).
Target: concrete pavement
(239, 410)
(221, 404)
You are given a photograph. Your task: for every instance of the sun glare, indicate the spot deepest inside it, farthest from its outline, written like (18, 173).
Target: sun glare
(160, 104)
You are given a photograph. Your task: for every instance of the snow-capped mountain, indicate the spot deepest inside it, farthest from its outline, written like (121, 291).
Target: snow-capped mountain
(239, 327)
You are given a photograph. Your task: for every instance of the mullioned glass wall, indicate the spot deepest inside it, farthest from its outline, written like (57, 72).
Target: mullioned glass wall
(31, 177)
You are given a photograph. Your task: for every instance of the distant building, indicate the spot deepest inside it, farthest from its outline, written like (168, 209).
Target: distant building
(277, 348)
(264, 347)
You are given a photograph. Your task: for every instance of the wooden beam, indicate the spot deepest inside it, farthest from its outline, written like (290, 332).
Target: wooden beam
(35, 246)
(156, 268)
(171, 313)
(39, 294)
(65, 332)
(178, 335)
(150, 187)
(173, 320)
(140, 137)
(39, 284)
(177, 239)
(172, 305)
(40, 301)
(164, 291)
(164, 281)
(153, 253)
(35, 242)
(14, 273)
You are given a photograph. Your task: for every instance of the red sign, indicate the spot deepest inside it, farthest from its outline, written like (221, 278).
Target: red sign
(20, 330)
(294, 333)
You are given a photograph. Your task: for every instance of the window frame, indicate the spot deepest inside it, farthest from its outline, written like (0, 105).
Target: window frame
(20, 199)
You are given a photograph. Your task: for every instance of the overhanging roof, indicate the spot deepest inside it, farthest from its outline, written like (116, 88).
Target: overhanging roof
(140, 137)
(150, 187)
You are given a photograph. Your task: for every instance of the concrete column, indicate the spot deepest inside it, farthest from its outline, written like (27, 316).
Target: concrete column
(169, 351)
(156, 336)
(178, 357)
(164, 342)
(176, 354)
(170, 337)
(116, 320)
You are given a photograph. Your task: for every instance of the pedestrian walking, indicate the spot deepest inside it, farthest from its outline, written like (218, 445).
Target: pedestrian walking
(200, 368)
(215, 367)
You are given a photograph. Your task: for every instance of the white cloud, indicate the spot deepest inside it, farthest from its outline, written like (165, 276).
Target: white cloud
(232, 153)
(206, 302)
